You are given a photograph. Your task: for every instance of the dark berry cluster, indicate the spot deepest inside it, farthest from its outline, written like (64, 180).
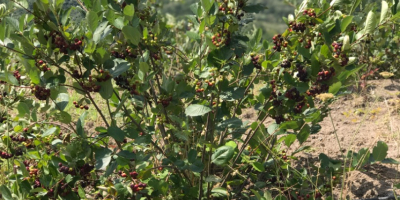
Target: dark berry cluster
(277, 102)
(325, 75)
(310, 12)
(60, 42)
(337, 48)
(122, 81)
(317, 89)
(286, 63)
(308, 44)
(63, 189)
(138, 187)
(301, 72)
(102, 77)
(17, 75)
(299, 107)
(2, 95)
(225, 8)
(133, 90)
(319, 86)
(278, 119)
(42, 66)
(278, 41)
(40, 92)
(66, 169)
(273, 86)
(36, 183)
(134, 174)
(219, 39)
(199, 87)
(354, 28)
(85, 169)
(18, 152)
(165, 101)
(3, 119)
(297, 27)
(18, 138)
(155, 56)
(294, 94)
(86, 107)
(239, 16)
(210, 83)
(76, 45)
(255, 61)
(90, 85)
(5, 155)
(123, 54)
(76, 74)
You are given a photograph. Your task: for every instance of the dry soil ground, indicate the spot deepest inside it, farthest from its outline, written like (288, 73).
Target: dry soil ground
(361, 120)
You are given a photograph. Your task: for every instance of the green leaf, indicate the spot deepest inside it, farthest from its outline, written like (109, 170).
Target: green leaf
(49, 131)
(13, 22)
(380, 151)
(394, 7)
(127, 154)
(219, 192)
(289, 125)
(384, 10)
(390, 161)
(345, 22)
(120, 66)
(192, 156)
(5, 193)
(289, 139)
(301, 149)
(197, 110)
(230, 123)
(100, 32)
(63, 117)
(258, 166)
(23, 109)
(81, 192)
(231, 94)
(106, 90)
(222, 155)
(62, 101)
(101, 129)
(22, 167)
(116, 133)
(213, 178)
(193, 35)
(197, 166)
(103, 158)
(334, 88)
(80, 124)
(9, 78)
(257, 194)
(255, 8)
(370, 23)
(119, 23)
(129, 11)
(207, 4)
(92, 20)
(280, 197)
(267, 195)
(303, 134)
(132, 34)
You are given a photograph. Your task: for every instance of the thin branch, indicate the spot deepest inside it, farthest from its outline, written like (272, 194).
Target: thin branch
(82, 5)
